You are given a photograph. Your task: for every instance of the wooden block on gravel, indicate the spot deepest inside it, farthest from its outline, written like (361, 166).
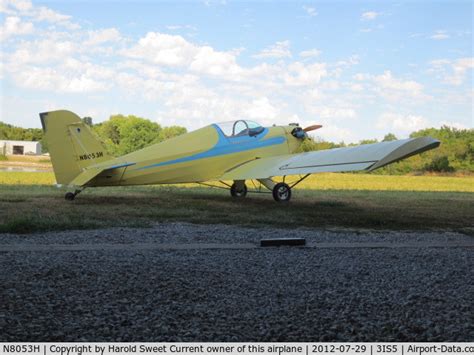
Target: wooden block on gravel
(282, 242)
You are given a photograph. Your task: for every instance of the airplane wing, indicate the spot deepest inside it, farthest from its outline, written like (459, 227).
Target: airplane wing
(364, 157)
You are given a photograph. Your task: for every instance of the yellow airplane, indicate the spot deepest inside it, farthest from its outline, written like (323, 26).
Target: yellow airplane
(230, 151)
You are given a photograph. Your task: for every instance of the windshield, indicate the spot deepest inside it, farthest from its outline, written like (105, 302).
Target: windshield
(240, 128)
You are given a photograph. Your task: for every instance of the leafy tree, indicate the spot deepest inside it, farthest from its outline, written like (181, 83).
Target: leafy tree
(10, 132)
(368, 141)
(389, 137)
(87, 120)
(125, 134)
(310, 144)
(439, 164)
(170, 132)
(457, 145)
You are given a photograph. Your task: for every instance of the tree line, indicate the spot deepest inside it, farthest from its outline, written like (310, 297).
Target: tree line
(455, 154)
(124, 134)
(120, 134)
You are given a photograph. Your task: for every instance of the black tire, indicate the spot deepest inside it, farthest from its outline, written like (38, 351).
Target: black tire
(281, 192)
(237, 192)
(70, 196)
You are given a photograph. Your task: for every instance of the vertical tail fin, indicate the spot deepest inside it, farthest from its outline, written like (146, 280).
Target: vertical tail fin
(72, 145)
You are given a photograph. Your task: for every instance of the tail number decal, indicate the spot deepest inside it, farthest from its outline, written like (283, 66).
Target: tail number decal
(91, 156)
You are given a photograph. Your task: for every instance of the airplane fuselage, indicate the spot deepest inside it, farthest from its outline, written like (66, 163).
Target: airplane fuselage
(201, 155)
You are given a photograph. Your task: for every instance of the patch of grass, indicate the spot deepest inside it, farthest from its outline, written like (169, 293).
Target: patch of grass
(11, 199)
(388, 182)
(326, 181)
(30, 224)
(31, 208)
(29, 202)
(27, 158)
(3, 157)
(26, 178)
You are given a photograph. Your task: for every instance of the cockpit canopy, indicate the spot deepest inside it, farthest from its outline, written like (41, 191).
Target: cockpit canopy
(240, 128)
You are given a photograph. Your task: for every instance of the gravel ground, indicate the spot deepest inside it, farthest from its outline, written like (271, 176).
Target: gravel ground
(259, 294)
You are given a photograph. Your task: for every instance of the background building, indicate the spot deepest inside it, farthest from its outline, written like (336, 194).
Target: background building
(20, 148)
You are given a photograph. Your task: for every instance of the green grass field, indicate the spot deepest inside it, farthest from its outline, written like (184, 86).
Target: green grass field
(29, 203)
(326, 181)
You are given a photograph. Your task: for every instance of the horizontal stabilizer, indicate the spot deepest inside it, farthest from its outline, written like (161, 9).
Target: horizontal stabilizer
(90, 173)
(84, 177)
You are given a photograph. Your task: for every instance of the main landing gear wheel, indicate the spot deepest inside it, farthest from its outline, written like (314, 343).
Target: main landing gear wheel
(281, 192)
(238, 190)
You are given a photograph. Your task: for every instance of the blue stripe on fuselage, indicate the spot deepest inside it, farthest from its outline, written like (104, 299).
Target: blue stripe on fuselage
(226, 145)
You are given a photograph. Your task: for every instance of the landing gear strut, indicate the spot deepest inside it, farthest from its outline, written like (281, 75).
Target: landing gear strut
(238, 189)
(281, 192)
(70, 196)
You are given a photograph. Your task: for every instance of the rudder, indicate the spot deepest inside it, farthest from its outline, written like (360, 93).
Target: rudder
(72, 145)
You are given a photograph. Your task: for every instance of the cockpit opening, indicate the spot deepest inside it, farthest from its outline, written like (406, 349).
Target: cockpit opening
(240, 128)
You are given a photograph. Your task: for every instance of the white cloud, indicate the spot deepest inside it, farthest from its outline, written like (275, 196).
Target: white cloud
(22, 5)
(332, 112)
(360, 76)
(457, 125)
(51, 16)
(333, 133)
(41, 51)
(11, 6)
(298, 74)
(38, 14)
(387, 81)
(175, 51)
(46, 14)
(391, 88)
(352, 60)
(356, 87)
(103, 36)
(311, 11)
(310, 53)
(261, 109)
(369, 15)
(277, 50)
(437, 63)
(395, 89)
(401, 123)
(163, 49)
(440, 35)
(180, 27)
(209, 61)
(460, 68)
(54, 80)
(453, 72)
(13, 26)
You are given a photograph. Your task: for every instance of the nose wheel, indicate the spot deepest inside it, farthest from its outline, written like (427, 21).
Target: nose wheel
(281, 192)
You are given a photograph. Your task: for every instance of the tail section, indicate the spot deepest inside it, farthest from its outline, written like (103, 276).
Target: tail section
(72, 145)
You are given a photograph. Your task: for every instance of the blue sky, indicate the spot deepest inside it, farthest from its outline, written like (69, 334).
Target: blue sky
(361, 69)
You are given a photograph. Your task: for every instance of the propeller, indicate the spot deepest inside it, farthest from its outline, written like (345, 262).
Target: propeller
(312, 128)
(301, 133)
